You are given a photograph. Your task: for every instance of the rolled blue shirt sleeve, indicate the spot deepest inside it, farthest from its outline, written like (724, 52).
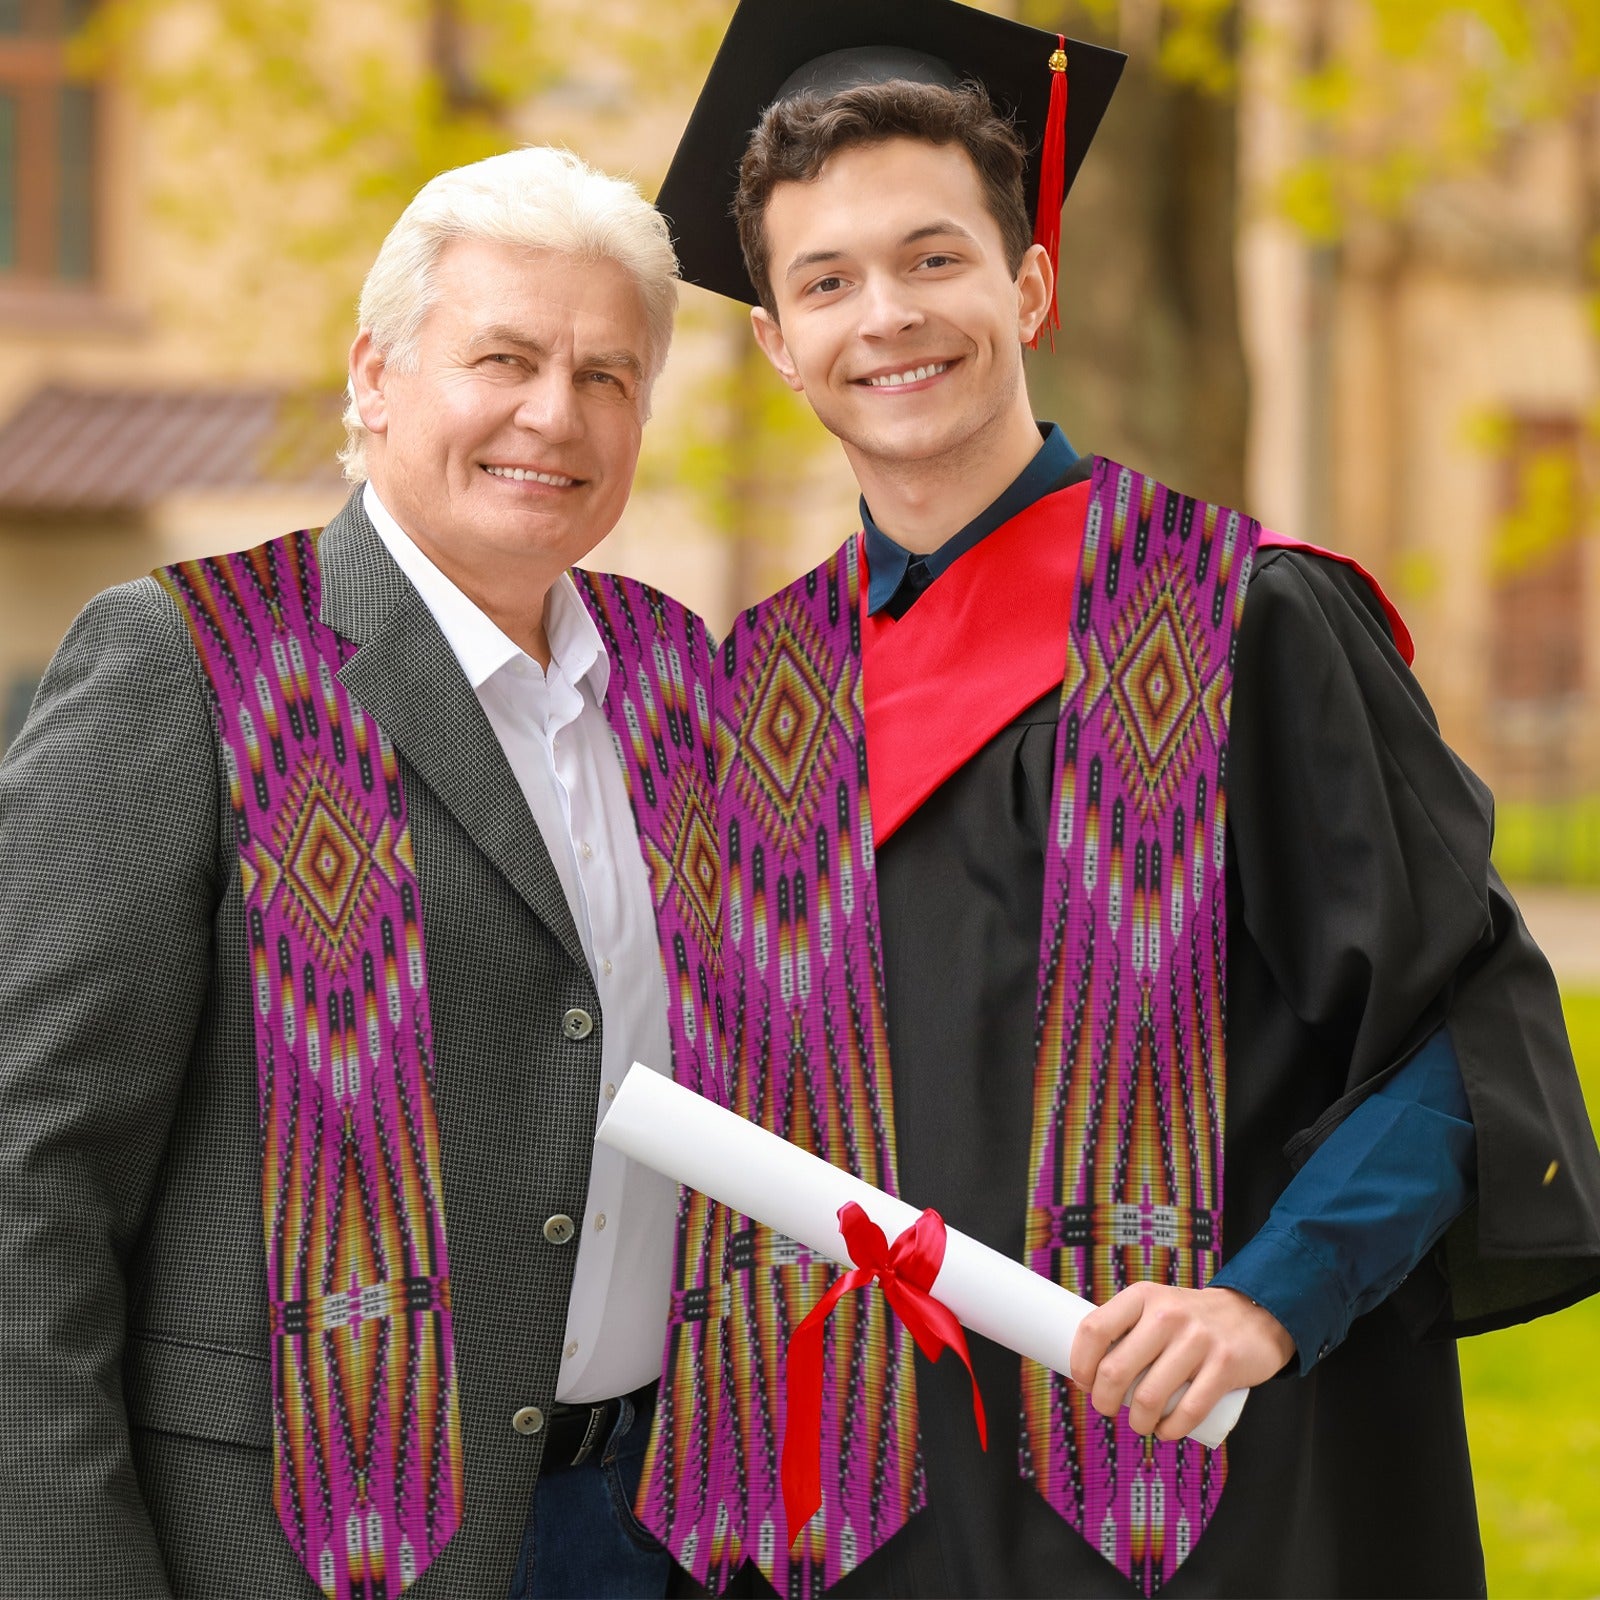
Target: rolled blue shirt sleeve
(1367, 1206)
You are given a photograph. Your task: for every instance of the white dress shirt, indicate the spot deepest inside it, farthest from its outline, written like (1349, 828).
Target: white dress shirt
(560, 747)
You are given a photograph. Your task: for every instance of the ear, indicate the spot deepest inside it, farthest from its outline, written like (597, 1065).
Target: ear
(367, 373)
(774, 347)
(1036, 282)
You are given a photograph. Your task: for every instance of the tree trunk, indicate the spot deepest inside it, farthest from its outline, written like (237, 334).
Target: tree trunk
(1148, 366)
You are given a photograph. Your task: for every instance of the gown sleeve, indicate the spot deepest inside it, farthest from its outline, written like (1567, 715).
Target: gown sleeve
(1360, 844)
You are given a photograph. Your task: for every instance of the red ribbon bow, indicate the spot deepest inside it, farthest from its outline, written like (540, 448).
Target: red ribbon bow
(907, 1270)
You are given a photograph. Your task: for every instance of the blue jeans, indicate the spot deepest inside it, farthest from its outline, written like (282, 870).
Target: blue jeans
(582, 1541)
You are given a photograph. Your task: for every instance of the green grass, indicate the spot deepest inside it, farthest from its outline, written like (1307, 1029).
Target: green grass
(1533, 1415)
(1548, 842)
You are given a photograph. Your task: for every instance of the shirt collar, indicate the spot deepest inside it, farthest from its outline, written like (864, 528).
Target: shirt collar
(476, 640)
(574, 639)
(888, 561)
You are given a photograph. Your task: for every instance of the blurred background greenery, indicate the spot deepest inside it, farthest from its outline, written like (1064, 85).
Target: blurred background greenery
(1334, 261)
(1533, 1416)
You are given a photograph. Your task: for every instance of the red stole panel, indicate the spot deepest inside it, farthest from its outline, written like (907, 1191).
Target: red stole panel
(983, 643)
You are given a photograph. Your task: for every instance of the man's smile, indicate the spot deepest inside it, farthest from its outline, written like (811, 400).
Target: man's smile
(910, 377)
(554, 480)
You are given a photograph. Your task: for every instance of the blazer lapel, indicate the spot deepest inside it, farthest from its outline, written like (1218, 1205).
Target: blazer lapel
(405, 675)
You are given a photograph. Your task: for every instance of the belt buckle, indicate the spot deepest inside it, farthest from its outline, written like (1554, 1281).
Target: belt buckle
(590, 1435)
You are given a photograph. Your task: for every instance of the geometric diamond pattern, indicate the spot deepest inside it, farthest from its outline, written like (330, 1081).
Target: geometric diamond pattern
(1156, 671)
(662, 709)
(696, 856)
(1126, 1177)
(366, 1424)
(326, 863)
(786, 724)
(775, 855)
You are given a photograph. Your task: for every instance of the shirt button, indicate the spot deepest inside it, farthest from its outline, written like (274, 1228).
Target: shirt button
(611, 1091)
(559, 1229)
(600, 1222)
(571, 1350)
(530, 1419)
(588, 850)
(606, 967)
(577, 1023)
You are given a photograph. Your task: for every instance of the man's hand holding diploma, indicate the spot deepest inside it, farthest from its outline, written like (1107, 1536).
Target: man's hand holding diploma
(671, 1129)
(1215, 1340)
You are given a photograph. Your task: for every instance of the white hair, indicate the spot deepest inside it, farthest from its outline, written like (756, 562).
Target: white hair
(536, 197)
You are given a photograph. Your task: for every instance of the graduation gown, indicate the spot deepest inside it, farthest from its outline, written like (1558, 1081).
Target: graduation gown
(1363, 912)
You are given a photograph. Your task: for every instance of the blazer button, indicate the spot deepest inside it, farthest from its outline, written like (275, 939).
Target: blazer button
(577, 1023)
(560, 1229)
(530, 1419)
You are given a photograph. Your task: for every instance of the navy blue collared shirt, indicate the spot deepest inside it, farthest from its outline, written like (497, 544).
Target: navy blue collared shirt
(1367, 1206)
(1379, 1192)
(897, 577)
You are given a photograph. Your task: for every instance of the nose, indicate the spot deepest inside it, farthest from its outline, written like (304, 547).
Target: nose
(549, 406)
(888, 308)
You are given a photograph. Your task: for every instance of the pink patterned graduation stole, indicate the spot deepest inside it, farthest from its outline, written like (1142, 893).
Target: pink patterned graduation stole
(367, 1464)
(783, 876)
(660, 707)
(1126, 1173)
(808, 1059)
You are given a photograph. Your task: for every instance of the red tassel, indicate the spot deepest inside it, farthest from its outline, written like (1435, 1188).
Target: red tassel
(1052, 182)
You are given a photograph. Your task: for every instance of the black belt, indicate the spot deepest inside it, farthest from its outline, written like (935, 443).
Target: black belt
(575, 1433)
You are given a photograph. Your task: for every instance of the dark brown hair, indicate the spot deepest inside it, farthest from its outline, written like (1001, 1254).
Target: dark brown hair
(796, 137)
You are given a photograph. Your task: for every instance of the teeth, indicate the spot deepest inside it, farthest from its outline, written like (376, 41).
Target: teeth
(518, 475)
(913, 375)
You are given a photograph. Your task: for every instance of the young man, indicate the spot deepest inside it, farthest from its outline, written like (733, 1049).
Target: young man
(999, 864)
(323, 929)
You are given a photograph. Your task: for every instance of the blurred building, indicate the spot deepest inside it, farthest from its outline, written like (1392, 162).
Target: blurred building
(1426, 396)
(121, 446)
(160, 400)
(1422, 394)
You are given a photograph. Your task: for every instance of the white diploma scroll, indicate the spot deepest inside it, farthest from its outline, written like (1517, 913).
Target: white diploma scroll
(675, 1131)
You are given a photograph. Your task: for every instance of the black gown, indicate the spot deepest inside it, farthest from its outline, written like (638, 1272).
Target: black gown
(1362, 912)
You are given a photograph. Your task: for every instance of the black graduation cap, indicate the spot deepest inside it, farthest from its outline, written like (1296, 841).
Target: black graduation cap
(777, 48)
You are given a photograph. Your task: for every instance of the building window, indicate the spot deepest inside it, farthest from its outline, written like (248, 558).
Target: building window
(1539, 639)
(48, 137)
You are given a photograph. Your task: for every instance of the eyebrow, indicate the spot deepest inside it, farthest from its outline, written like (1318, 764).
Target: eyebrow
(504, 333)
(941, 228)
(624, 360)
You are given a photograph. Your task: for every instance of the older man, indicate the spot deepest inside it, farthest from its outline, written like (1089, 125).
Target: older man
(318, 875)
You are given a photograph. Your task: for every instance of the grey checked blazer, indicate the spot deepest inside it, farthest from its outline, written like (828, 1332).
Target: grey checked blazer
(135, 1451)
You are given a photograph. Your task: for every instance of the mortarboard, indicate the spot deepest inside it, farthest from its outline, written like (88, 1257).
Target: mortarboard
(777, 48)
